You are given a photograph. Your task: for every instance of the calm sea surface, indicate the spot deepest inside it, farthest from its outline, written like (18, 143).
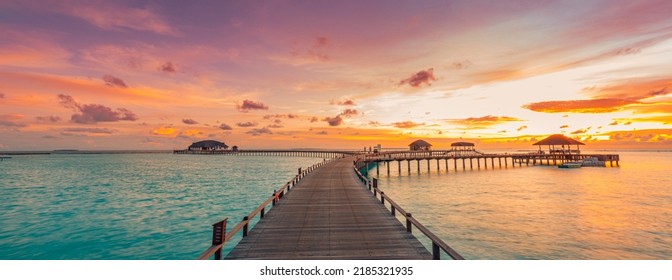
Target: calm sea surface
(544, 212)
(161, 206)
(129, 206)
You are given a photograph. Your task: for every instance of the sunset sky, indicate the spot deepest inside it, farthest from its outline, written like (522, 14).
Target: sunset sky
(333, 74)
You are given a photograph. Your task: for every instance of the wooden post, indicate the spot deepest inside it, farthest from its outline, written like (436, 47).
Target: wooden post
(218, 236)
(382, 199)
(245, 227)
(375, 185)
(409, 228)
(275, 197)
(263, 211)
(394, 210)
(436, 253)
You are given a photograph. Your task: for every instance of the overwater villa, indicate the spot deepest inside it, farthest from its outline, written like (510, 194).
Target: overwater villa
(420, 145)
(207, 145)
(559, 144)
(463, 148)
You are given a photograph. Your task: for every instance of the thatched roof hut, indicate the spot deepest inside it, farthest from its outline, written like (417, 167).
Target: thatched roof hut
(461, 148)
(208, 145)
(560, 141)
(462, 144)
(420, 145)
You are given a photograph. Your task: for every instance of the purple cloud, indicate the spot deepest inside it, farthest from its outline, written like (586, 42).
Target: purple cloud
(189, 121)
(349, 113)
(259, 131)
(113, 81)
(225, 127)
(422, 77)
(94, 113)
(168, 67)
(251, 105)
(335, 121)
(49, 119)
(247, 124)
(2, 95)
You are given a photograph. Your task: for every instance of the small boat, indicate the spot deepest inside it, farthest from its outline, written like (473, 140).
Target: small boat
(3, 157)
(571, 164)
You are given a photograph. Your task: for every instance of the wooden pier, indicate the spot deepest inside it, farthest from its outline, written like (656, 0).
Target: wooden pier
(279, 153)
(476, 160)
(329, 212)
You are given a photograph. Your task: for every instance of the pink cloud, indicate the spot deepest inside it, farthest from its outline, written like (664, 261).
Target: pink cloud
(251, 105)
(113, 81)
(335, 121)
(113, 16)
(189, 121)
(94, 113)
(247, 124)
(419, 78)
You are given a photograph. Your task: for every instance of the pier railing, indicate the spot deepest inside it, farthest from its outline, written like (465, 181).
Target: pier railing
(437, 244)
(219, 234)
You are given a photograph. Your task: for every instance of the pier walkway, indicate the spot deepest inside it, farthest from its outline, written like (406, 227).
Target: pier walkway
(329, 214)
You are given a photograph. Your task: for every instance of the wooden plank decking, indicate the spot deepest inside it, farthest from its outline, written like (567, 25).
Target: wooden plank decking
(329, 215)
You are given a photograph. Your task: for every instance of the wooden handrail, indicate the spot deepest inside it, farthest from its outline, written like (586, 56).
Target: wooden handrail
(215, 249)
(437, 243)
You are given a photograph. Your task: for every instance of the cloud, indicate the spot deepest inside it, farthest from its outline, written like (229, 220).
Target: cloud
(484, 121)
(564, 126)
(614, 123)
(164, 130)
(275, 126)
(48, 119)
(603, 105)
(407, 124)
(335, 121)
(323, 132)
(88, 130)
(189, 121)
(247, 124)
(313, 119)
(580, 131)
(10, 120)
(225, 127)
(459, 65)
(113, 81)
(251, 105)
(422, 77)
(167, 67)
(94, 113)
(501, 131)
(281, 116)
(374, 123)
(113, 16)
(259, 131)
(349, 113)
(2, 95)
(344, 102)
(521, 128)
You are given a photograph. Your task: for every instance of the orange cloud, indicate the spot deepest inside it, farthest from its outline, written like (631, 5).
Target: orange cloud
(164, 131)
(484, 121)
(604, 105)
(407, 124)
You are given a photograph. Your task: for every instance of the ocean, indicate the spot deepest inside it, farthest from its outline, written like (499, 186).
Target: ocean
(543, 212)
(129, 206)
(161, 206)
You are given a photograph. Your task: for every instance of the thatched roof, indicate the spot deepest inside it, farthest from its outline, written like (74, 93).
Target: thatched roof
(462, 144)
(208, 144)
(558, 139)
(420, 143)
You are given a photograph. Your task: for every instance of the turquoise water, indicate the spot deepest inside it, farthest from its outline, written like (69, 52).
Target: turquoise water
(543, 212)
(129, 206)
(161, 206)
